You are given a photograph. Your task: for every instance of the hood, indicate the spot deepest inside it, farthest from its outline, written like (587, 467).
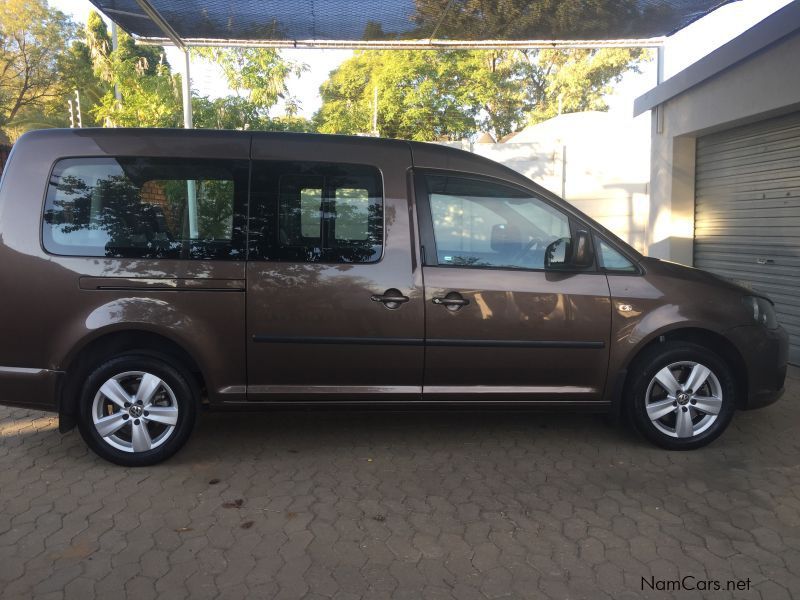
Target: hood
(679, 271)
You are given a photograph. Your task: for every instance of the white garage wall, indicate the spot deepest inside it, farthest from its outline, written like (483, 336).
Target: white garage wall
(606, 171)
(762, 85)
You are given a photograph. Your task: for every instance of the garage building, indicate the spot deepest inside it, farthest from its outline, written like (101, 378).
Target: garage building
(725, 170)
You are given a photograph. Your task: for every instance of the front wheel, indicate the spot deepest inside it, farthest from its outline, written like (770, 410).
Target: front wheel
(137, 410)
(683, 395)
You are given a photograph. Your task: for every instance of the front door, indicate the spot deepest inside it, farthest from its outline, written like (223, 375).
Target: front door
(334, 294)
(497, 322)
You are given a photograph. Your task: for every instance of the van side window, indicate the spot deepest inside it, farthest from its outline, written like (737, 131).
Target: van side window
(316, 212)
(479, 223)
(146, 208)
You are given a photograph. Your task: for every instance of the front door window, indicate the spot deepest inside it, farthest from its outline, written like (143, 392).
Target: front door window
(484, 224)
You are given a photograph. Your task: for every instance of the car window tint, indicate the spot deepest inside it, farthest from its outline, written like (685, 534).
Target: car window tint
(485, 224)
(316, 212)
(300, 209)
(310, 211)
(613, 260)
(145, 208)
(352, 214)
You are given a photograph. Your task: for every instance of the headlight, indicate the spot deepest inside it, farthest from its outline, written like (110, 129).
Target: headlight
(762, 310)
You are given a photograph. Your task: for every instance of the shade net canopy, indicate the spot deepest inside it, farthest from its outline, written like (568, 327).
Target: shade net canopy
(385, 20)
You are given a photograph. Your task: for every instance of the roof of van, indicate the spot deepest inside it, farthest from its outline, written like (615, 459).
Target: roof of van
(424, 154)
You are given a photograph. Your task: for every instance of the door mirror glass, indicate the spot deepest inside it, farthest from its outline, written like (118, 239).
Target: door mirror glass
(569, 253)
(557, 254)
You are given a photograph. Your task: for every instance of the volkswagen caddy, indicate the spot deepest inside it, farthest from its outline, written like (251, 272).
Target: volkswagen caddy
(146, 273)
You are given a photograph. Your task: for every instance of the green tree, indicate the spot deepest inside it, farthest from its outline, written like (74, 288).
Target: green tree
(543, 19)
(578, 80)
(429, 95)
(235, 112)
(33, 41)
(77, 74)
(257, 74)
(258, 78)
(229, 112)
(291, 123)
(150, 92)
(422, 95)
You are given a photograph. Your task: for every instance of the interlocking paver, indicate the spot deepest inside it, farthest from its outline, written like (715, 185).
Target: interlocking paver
(359, 505)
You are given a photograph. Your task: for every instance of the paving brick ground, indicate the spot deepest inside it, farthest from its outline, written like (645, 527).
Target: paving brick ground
(419, 505)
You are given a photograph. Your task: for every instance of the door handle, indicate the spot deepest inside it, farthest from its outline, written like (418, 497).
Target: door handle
(452, 301)
(391, 298)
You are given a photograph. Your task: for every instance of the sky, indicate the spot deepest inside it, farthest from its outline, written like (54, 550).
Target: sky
(681, 50)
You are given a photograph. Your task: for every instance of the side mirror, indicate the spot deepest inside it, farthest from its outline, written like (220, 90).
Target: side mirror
(557, 254)
(565, 253)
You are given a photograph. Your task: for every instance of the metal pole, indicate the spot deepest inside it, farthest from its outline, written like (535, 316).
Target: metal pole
(191, 193)
(187, 93)
(428, 44)
(564, 172)
(375, 113)
(660, 64)
(114, 45)
(191, 185)
(175, 38)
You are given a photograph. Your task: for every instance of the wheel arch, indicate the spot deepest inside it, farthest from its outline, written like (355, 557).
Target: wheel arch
(714, 341)
(114, 343)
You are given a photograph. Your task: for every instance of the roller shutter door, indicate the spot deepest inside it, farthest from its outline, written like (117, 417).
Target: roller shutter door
(747, 212)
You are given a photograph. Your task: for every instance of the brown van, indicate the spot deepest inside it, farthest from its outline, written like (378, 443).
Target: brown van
(153, 271)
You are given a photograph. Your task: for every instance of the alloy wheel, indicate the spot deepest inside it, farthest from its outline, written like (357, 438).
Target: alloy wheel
(684, 399)
(135, 411)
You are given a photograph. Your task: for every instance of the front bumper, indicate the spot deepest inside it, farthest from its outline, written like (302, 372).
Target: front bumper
(765, 353)
(29, 388)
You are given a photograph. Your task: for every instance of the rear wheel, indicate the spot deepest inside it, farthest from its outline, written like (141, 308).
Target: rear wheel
(137, 410)
(683, 395)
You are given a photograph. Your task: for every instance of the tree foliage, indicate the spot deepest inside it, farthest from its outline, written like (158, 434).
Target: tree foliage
(258, 77)
(428, 95)
(418, 95)
(150, 94)
(236, 112)
(257, 74)
(542, 19)
(34, 39)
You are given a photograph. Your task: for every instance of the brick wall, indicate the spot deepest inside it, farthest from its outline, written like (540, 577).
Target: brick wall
(153, 192)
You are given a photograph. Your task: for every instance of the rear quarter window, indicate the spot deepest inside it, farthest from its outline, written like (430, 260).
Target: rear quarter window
(146, 208)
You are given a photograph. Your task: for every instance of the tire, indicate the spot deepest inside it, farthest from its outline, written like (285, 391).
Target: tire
(664, 407)
(137, 410)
